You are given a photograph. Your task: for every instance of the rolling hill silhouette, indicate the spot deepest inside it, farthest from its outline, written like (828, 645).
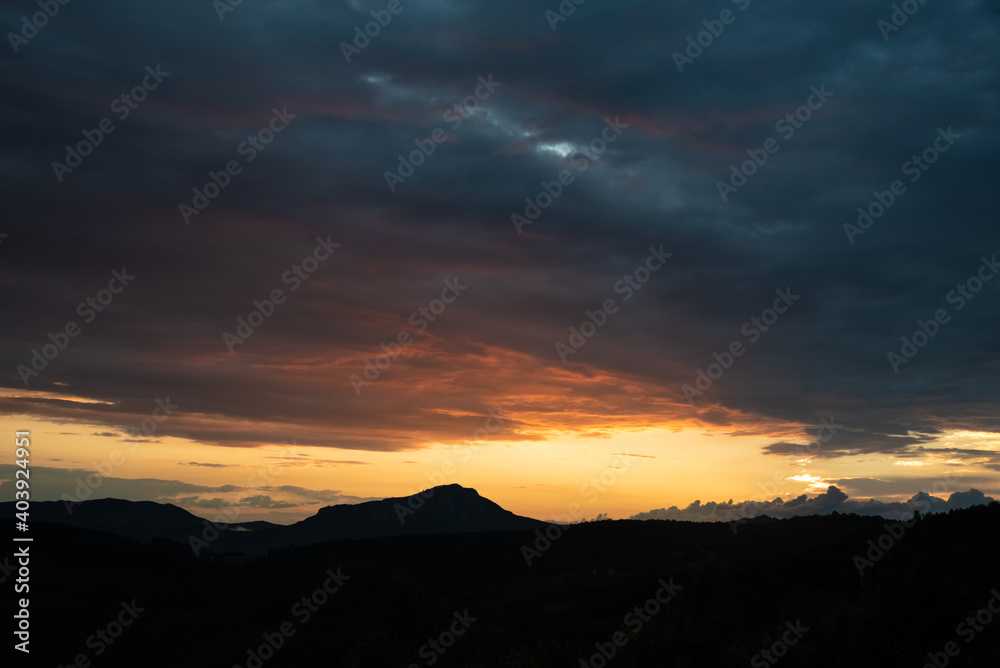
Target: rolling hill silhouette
(738, 594)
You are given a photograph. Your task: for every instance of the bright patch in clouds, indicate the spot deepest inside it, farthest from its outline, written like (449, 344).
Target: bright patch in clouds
(562, 149)
(814, 482)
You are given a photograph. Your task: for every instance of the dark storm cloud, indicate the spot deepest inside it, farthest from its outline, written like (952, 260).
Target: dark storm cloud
(856, 442)
(323, 176)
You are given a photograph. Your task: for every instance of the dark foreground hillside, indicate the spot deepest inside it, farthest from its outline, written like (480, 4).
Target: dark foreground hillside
(706, 597)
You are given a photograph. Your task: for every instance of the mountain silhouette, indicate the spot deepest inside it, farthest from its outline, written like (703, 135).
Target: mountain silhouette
(443, 509)
(440, 510)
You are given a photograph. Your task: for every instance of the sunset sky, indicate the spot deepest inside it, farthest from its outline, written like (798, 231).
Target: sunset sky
(441, 210)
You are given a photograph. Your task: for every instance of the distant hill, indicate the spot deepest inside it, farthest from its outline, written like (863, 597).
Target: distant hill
(140, 520)
(256, 525)
(440, 510)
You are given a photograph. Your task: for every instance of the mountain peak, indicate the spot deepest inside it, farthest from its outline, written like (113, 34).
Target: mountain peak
(452, 488)
(442, 509)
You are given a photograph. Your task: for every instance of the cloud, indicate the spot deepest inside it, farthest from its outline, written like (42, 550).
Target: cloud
(832, 500)
(50, 484)
(324, 175)
(872, 487)
(307, 461)
(219, 466)
(264, 501)
(197, 502)
(257, 501)
(326, 496)
(851, 442)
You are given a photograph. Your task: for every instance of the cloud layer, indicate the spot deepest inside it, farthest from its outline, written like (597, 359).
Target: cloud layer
(324, 177)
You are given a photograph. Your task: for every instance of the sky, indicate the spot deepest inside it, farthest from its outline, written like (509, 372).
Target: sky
(267, 257)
